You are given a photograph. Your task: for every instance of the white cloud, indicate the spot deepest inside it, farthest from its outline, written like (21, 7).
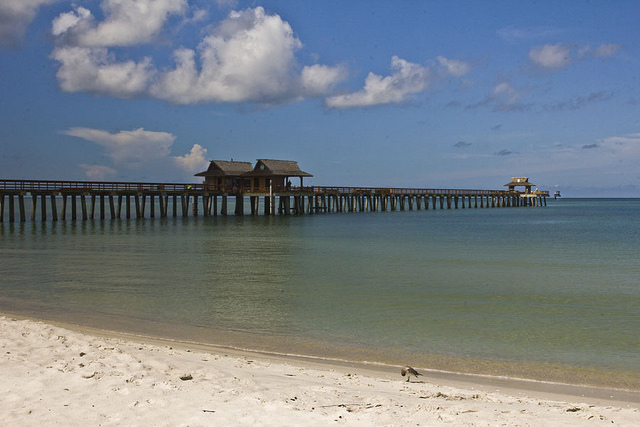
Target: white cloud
(249, 57)
(506, 92)
(320, 79)
(126, 23)
(606, 50)
(96, 70)
(67, 21)
(553, 56)
(454, 67)
(148, 153)
(503, 97)
(625, 147)
(129, 149)
(558, 56)
(407, 79)
(15, 16)
(194, 161)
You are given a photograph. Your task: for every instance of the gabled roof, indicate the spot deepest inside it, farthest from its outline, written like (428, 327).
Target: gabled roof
(519, 181)
(270, 167)
(226, 168)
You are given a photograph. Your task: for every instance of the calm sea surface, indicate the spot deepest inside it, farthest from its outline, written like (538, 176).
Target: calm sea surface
(547, 292)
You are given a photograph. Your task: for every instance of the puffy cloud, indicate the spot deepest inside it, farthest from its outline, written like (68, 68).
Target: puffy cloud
(127, 22)
(407, 79)
(146, 152)
(558, 56)
(553, 56)
(194, 161)
(15, 16)
(320, 79)
(454, 67)
(86, 64)
(249, 57)
(130, 149)
(96, 70)
(506, 92)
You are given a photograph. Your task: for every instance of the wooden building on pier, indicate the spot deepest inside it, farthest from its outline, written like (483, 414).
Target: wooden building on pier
(276, 174)
(520, 181)
(240, 177)
(227, 176)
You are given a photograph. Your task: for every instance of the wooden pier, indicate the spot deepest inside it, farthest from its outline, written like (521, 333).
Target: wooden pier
(88, 200)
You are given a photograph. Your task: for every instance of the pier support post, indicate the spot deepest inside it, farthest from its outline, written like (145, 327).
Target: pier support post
(127, 201)
(64, 207)
(223, 207)
(152, 206)
(43, 200)
(112, 207)
(174, 205)
(12, 214)
(92, 206)
(267, 205)
(136, 199)
(74, 208)
(102, 207)
(83, 205)
(23, 215)
(239, 205)
(34, 203)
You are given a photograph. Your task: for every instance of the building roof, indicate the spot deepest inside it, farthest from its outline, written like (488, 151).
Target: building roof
(226, 168)
(522, 181)
(270, 167)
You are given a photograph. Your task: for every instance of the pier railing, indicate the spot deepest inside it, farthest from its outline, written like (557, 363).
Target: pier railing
(106, 186)
(37, 186)
(401, 191)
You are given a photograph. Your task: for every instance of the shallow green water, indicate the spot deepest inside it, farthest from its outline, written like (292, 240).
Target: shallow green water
(557, 285)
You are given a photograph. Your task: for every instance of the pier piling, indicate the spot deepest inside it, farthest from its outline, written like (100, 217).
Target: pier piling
(200, 198)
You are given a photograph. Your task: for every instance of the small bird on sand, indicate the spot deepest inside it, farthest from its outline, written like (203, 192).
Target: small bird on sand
(408, 371)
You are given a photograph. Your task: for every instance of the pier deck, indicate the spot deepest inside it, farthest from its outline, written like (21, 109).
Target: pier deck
(101, 200)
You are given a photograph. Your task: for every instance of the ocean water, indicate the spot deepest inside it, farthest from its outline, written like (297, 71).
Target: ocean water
(542, 292)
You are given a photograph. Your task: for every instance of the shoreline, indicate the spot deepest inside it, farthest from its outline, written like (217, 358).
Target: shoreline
(81, 376)
(482, 376)
(540, 388)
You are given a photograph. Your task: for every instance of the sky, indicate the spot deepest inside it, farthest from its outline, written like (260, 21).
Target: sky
(416, 94)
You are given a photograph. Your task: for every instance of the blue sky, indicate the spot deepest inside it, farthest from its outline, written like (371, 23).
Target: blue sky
(427, 94)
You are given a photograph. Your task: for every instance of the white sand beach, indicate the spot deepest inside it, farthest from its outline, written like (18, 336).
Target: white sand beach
(57, 376)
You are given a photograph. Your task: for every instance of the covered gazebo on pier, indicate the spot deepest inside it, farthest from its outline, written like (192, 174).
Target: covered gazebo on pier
(240, 177)
(227, 176)
(276, 174)
(520, 182)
